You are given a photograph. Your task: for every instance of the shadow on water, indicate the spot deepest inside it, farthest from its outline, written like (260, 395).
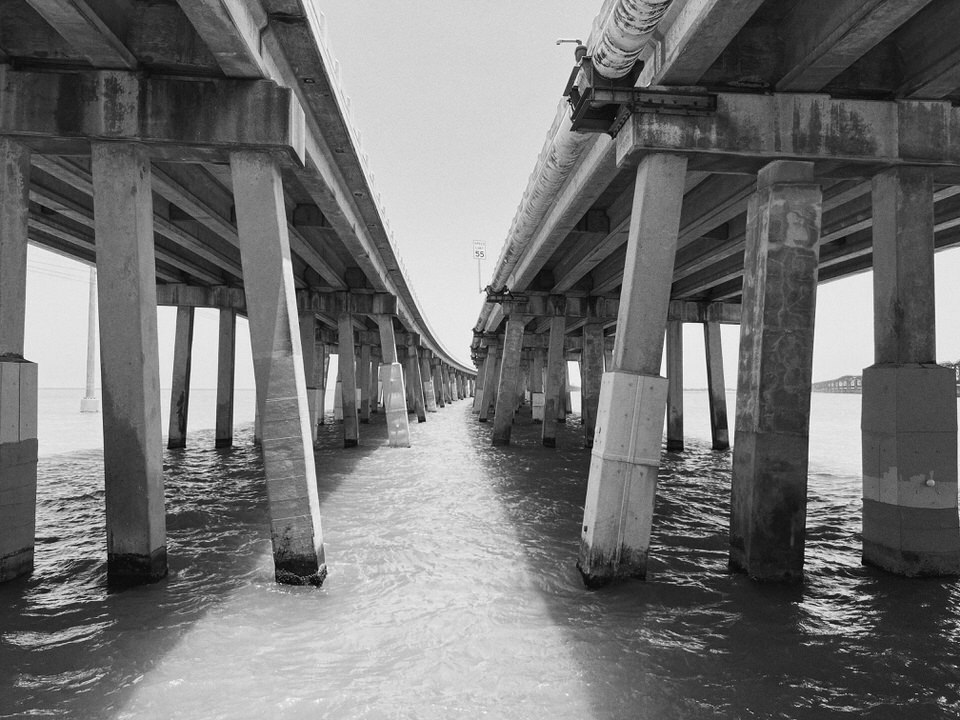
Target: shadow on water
(69, 647)
(697, 641)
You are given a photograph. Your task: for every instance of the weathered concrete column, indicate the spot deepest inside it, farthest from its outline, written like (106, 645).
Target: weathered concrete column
(445, 377)
(180, 385)
(491, 378)
(278, 365)
(509, 379)
(394, 393)
(618, 511)
(438, 382)
(553, 391)
(365, 366)
(909, 420)
(716, 389)
(591, 375)
(18, 377)
(536, 386)
(348, 380)
(323, 360)
(90, 403)
(478, 395)
(416, 382)
(226, 372)
(769, 487)
(675, 388)
(130, 365)
(567, 399)
(426, 374)
(308, 345)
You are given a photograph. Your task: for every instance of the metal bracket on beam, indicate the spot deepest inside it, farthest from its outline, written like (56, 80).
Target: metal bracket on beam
(602, 105)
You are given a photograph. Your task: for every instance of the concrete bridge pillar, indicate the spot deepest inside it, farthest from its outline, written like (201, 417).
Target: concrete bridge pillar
(416, 383)
(591, 376)
(675, 387)
(553, 389)
(180, 385)
(509, 380)
(909, 420)
(478, 387)
(18, 377)
(769, 487)
(374, 379)
(445, 374)
(394, 393)
(278, 364)
(348, 380)
(426, 374)
(323, 359)
(618, 510)
(226, 372)
(490, 380)
(127, 297)
(438, 382)
(536, 385)
(364, 372)
(308, 345)
(716, 390)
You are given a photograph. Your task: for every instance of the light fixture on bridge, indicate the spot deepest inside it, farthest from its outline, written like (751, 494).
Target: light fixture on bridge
(579, 52)
(308, 80)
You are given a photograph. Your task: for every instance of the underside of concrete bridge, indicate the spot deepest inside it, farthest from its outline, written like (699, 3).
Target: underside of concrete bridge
(199, 154)
(711, 162)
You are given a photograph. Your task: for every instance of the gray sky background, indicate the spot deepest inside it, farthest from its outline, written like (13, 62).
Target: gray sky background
(453, 100)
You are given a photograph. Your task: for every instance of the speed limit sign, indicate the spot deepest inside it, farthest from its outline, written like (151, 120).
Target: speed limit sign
(479, 250)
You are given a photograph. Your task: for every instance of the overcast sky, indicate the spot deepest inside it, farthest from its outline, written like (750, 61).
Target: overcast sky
(453, 100)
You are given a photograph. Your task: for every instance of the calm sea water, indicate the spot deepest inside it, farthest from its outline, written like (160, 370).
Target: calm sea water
(453, 593)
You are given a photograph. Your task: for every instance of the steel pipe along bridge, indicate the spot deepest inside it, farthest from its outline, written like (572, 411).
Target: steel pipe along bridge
(711, 162)
(200, 154)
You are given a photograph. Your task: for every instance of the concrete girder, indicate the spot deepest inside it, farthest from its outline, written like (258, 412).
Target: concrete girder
(843, 138)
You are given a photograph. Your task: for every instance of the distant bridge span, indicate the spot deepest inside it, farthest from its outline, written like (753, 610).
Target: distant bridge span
(714, 161)
(200, 155)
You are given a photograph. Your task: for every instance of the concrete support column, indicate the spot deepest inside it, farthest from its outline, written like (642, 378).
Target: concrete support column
(279, 368)
(374, 379)
(394, 393)
(675, 388)
(909, 420)
(509, 379)
(567, 400)
(18, 378)
(364, 381)
(130, 366)
(323, 360)
(89, 402)
(490, 380)
(180, 385)
(591, 375)
(438, 383)
(426, 374)
(311, 368)
(445, 376)
(478, 386)
(769, 487)
(618, 511)
(716, 389)
(226, 372)
(536, 386)
(556, 373)
(416, 383)
(348, 380)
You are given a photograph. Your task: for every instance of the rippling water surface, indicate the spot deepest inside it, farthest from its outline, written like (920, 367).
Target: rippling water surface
(453, 593)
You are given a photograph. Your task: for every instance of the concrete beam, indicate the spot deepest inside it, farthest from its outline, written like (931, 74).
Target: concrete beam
(231, 31)
(180, 120)
(82, 26)
(334, 303)
(844, 138)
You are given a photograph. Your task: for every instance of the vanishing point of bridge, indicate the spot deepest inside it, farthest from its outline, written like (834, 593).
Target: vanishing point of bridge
(198, 154)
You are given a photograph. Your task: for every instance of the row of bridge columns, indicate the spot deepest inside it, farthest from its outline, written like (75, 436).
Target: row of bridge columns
(909, 425)
(288, 366)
